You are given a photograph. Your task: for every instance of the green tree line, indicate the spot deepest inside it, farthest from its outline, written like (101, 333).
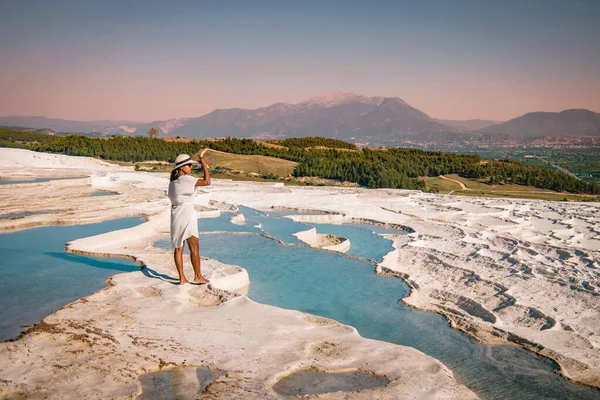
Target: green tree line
(132, 149)
(317, 141)
(373, 168)
(21, 139)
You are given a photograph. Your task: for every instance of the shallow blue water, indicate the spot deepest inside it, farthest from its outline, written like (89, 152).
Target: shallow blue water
(223, 223)
(36, 180)
(283, 231)
(347, 290)
(102, 194)
(363, 241)
(277, 213)
(22, 214)
(37, 276)
(377, 229)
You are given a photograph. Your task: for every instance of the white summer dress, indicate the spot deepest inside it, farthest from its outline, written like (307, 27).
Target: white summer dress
(183, 215)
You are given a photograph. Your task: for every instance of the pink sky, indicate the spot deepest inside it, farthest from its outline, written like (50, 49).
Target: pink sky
(463, 60)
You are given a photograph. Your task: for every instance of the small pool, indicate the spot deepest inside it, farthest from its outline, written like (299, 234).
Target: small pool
(365, 241)
(34, 180)
(102, 194)
(21, 214)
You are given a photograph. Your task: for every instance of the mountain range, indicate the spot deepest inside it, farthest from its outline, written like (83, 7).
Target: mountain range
(345, 116)
(564, 123)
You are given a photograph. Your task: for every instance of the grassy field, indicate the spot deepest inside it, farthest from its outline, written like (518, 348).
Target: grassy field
(442, 186)
(260, 165)
(482, 189)
(531, 195)
(474, 184)
(237, 165)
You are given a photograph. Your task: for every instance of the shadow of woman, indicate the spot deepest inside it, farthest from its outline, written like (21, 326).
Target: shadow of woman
(114, 264)
(150, 273)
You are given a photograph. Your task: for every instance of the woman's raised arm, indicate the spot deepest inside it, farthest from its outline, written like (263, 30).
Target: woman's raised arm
(206, 180)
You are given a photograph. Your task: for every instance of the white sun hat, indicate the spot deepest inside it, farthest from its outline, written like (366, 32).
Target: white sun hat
(183, 159)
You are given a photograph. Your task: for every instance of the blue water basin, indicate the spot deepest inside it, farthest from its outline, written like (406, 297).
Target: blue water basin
(37, 276)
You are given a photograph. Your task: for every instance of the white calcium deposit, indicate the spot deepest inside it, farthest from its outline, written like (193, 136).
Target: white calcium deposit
(518, 271)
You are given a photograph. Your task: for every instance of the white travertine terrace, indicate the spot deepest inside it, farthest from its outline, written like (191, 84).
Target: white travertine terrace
(99, 346)
(323, 241)
(524, 272)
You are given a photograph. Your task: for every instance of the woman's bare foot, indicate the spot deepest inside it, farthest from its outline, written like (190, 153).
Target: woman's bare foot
(200, 280)
(183, 281)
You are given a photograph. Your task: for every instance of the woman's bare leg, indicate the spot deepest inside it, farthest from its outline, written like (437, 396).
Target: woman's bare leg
(192, 242)
(178, 257)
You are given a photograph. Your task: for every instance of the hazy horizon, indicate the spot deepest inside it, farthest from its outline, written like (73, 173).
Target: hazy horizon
(146, 61)
(196, 116)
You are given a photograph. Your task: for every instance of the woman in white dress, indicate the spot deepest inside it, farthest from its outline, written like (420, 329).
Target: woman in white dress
(184, 226)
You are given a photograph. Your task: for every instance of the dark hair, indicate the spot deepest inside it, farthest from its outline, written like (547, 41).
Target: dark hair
(175, 174)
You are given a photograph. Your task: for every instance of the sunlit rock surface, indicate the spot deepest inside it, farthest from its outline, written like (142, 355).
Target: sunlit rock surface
(503, 270)
(144, 336)
(525, 272)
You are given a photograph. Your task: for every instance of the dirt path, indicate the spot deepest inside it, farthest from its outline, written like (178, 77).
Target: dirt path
(462, 185)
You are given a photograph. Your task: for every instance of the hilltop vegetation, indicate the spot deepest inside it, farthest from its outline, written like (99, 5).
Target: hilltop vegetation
(21, 139)
(317, 141)
(120, 148)
(228, 165)
(583, 162)
(372, 168)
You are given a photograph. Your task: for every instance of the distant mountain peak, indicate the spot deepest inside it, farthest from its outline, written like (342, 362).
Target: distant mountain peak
(338, 98)
(391, 100)
(334, 99)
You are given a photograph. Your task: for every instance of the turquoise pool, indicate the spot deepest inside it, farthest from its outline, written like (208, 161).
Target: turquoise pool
(38, 276)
